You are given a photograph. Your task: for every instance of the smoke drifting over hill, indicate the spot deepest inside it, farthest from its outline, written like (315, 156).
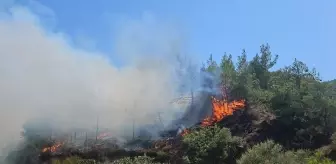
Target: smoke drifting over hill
(43, 76)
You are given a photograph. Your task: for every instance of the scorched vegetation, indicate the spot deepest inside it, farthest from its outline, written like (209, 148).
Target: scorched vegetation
(263, 116)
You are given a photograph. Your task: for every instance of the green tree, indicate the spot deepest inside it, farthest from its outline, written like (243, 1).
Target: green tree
(228, 74)
(261, 64)
(211, 65)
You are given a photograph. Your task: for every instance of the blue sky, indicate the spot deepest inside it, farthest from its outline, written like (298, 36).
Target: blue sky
(303, 29)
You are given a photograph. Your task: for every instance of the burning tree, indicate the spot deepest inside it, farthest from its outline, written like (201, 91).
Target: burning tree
(221, 109)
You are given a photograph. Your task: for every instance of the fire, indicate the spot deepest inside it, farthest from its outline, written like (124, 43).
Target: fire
(103, 135)
(184, 132)
(221, 109)
(52, 148)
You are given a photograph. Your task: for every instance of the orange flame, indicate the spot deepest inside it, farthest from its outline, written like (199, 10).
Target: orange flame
(52, 148)
(221, 109)
(184, 132)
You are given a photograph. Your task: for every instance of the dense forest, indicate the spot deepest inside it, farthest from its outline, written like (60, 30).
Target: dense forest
(289, 117)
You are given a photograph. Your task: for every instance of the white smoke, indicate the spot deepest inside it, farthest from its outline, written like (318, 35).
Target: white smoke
(42, 75)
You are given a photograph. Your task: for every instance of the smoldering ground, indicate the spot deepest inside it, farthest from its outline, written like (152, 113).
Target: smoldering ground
(43, 76)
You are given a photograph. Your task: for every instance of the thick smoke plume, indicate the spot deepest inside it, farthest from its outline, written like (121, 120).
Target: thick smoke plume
(43, 76)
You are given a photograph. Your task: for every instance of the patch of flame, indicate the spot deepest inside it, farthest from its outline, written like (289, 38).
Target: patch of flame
(52, 148)
(103, 135)
(184, 132)
(222, 109)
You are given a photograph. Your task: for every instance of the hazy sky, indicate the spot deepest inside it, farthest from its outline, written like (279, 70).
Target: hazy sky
(305, 29)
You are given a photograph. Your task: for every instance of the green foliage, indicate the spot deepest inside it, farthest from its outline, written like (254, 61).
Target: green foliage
(318, 158)
(210, 145)
(271, 153)
(136, 160)
(211, 66)
(228, 71)
(125, 160)
(303, 105)
(72, 160)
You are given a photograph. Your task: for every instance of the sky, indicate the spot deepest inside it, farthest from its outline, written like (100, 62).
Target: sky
(302, 29)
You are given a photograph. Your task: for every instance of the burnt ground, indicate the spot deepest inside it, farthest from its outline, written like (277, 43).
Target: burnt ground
(165, 150)
(253, 124)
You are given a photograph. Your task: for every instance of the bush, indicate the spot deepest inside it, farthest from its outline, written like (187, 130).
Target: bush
(136, 160)
(318, 158)
(271, 153)
(74, 159)
(210, 145)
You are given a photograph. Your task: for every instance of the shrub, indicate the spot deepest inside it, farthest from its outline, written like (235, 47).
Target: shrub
(318, 158)
(271, 153)
(136, 160)
(210, 145)
(74, 159)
